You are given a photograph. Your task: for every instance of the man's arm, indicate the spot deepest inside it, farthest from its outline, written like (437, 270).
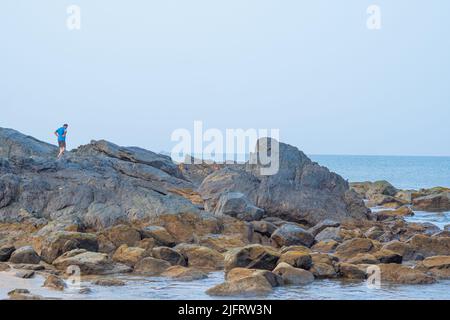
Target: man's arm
(64, 134)
(56, 133)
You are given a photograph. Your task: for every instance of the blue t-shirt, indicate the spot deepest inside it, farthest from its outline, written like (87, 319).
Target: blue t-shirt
(60, 133)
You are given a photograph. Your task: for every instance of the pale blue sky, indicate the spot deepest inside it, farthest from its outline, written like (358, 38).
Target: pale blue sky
(139, 69)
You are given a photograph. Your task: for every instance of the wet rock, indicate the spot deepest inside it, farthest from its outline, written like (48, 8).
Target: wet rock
(23, 294)
(352, 247)
(293, 276)
(151, 267)
(352, 271)
(329, 233)
(25, 255)
(398, 213)
(323, 271)
(170, 255)
(25, 274)
(381, 187)
(237, 205)
(404, 275)
(160, 234)
(109, 282)
(434, 202)
(248, 286)
(239, 273)
(201, 257)
(90, 263)
(253, 257)
(438, 266)
(5, 253)
(385, 201)
(388, 256)
(326, 246)
(4, 267)
(60, 242)
(430, 246)
(327, 223)
(296, 259)
(182, 273)
(291, 234)
(129, 255)
(374, 233)
(55, 282)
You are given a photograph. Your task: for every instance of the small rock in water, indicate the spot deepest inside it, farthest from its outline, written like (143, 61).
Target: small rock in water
(84, 291)
(25, 274)
(54, 282)
(5, 253)
(109, 282)
(18, 291)
(25, 255)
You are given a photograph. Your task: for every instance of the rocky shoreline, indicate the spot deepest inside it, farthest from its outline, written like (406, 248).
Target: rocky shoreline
(112, 210)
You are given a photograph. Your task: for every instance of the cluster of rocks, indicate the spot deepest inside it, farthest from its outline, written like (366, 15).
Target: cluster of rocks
(382, 193)
(109, 210)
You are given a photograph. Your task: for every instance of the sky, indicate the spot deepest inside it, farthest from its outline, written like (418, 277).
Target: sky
(137, 70)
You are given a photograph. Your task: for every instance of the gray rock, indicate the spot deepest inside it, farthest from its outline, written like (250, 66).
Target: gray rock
(25, 255)
(301, 190)
(323, 225)
(15, 144)
(237, 205)
(329, 233)
(25, 274)
(291, 235)
(5, 253)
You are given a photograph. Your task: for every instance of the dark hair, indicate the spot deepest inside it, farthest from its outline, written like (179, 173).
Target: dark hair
(65, 125)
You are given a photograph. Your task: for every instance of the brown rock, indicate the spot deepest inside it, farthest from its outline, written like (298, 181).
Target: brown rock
(352, 271)
(248, 286)
(404, 275)
(401, 212)
(352, 247)
(239, 273)
(129, 255)
(388, 256)
(170, 255)
(296, 259)
(184, 274)
(433, 203)
(55, 283)
(123, 234)
(109, 282)
(363, 258)
(294, 276)
(430, 246)
(151, 267)
(201, 257)
(160, 234)
(326, 246)
(25, 255)
(401, 248)
(220, 242)
(253, 257)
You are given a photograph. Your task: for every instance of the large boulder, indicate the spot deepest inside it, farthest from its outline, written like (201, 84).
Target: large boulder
(430, 246)
(434, 202)
(397, 273)
(300, 191)
(352, 247)
(55, 244)
(170, 255)
(184, 274)
(18, 145)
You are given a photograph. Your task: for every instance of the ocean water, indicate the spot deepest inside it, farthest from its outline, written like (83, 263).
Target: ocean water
(404, 172)
(158, 288)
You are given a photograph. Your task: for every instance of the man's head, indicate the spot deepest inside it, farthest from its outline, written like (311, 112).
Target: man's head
(66, 125)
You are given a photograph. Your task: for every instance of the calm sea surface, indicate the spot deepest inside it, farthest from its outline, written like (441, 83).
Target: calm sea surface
(402, 171)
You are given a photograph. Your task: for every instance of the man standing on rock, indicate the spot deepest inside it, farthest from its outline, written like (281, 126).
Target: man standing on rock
(61, 134)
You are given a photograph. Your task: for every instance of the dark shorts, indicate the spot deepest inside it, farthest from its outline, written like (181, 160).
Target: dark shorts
(62, 144)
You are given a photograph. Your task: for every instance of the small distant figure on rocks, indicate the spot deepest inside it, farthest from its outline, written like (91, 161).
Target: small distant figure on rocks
(61, 133)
